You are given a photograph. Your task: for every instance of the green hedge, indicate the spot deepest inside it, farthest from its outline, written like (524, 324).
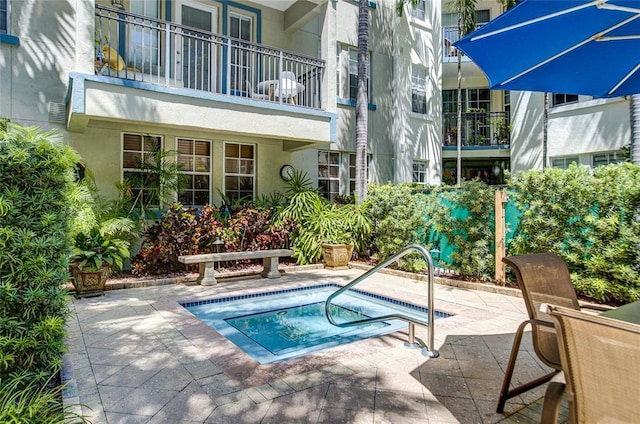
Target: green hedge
(36, 179)
(591, 219)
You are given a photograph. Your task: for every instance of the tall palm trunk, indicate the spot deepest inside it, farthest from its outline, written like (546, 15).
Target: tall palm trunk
(545, 131)
(459, 106)
(466, 10)
(362, 102)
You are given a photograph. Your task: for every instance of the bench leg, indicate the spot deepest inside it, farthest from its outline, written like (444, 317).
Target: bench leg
(206, 277)
(270, 268)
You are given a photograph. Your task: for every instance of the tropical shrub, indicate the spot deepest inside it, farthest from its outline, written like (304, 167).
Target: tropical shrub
(187, 231)
(464, 217)
(36, 181)
(24, 402)
(180, 231)
(397, 220)
(590, 219)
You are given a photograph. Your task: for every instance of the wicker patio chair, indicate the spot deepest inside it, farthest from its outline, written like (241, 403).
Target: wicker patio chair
(543, 278)
(601, 368)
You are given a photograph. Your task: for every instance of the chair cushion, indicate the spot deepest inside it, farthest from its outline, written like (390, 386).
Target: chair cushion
(112, 57)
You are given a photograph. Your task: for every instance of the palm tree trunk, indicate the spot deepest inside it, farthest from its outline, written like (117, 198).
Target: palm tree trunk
(545, 130)
(459, 118)
(362, 102)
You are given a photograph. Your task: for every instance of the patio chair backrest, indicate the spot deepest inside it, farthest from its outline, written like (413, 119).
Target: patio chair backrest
(601, 364)
(544, 278)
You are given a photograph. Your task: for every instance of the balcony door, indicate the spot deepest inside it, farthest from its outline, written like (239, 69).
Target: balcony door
(241, 28)
(196, 51)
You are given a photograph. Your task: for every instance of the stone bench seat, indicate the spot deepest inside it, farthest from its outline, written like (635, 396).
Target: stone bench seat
(207, 261)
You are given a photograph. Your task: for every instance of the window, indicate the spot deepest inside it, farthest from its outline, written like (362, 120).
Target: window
(419, 89)
(479, 98)
(4, 17)
(507, 102)
(194, 156)
(608, 158)
(239, 170)
(329, 174)
(451, 19)
(353, 74)
(563, 163)
(420, 10)
(144, 41)
(352, 171)
(139, 153)
(420, 172)
(561, 99)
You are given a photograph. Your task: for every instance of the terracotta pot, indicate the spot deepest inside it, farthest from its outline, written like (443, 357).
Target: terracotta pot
(337, 256)
(89, 283)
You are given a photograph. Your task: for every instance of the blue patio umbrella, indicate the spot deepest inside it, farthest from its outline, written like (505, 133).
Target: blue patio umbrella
(589, 47)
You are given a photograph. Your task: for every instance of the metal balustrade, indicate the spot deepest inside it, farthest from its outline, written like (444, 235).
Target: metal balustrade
(478, 129)
(145, 49)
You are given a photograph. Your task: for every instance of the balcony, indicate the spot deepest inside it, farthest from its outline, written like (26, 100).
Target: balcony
(166, 53)
(192, 78)
(479, 130)
(450, 35)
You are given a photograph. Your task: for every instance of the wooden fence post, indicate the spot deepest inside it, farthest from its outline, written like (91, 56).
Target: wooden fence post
(500, 201)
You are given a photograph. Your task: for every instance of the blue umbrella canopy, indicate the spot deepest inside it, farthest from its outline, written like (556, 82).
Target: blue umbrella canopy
(589, 47)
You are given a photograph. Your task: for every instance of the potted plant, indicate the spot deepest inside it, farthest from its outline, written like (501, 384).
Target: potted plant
(101, 240)
(326, 230)
(95, 255)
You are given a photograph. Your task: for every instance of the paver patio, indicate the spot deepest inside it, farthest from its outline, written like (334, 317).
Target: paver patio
(137, 356)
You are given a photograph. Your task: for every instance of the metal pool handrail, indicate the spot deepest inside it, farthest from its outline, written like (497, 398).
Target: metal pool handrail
(411, 321)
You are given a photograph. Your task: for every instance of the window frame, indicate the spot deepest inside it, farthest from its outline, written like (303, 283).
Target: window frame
(326, 191)
(566, 161)
(124, 170)
(416, 88)
(345, 86)
(239, 175)
(241, 66)
(193, 173)
(5, 24)
(144, 43)
(611, 158)
(555, 99)
(420, 11)
(420, 172)
(352, 171)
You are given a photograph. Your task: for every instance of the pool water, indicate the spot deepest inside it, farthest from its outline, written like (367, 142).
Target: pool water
(280, 325)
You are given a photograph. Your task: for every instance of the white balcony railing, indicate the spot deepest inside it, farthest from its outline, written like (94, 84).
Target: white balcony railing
(141, 48)
(450, 35)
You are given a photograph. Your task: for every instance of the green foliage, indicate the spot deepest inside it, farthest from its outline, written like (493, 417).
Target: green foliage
(24, 402)
(36, 181)
(590, 220)
(100, 235)
(95, 249)
(186, 231)
(396, 219)
(464, 217)
(320, 221)
(155, 183)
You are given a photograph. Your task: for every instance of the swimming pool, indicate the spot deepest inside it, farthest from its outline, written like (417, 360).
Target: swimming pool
(274, 326)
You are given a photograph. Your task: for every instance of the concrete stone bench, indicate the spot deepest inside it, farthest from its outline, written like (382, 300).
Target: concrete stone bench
(206, 262)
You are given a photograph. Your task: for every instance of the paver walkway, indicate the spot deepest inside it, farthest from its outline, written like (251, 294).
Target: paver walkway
(137, 356)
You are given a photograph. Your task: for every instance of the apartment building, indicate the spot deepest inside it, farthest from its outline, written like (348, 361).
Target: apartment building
(235, 90)
(503, 130)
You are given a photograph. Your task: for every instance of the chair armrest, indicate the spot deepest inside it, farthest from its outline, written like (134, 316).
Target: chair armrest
(595, 306)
